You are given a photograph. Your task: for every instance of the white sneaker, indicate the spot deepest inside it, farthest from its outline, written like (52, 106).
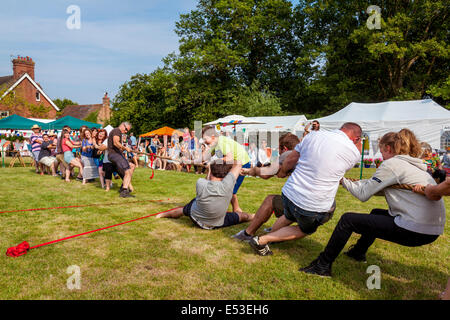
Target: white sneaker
(242, 236)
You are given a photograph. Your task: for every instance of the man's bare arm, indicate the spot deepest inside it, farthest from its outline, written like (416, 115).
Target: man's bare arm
(288, 164)
(118, 145)
(435, 192)
(236, 169)
(262, 172)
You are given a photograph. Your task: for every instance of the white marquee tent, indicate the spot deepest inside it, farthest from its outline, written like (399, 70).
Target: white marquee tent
(293, 124)
(425, 118)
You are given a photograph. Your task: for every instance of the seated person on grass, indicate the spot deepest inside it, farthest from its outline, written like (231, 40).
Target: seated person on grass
(208, 210)
(273, 203)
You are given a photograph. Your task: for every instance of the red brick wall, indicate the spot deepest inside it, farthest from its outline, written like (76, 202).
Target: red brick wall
(21, 66)
(27, 91)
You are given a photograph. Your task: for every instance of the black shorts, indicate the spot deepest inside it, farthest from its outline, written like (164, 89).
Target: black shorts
(308, 221)
(277, 206)
(120, 162)
(108, 168)
(231, 218)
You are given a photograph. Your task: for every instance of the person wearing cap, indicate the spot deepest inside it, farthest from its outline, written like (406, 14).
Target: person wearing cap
(36, 141)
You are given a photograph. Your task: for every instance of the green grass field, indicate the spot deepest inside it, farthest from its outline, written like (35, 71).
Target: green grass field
(171, 259)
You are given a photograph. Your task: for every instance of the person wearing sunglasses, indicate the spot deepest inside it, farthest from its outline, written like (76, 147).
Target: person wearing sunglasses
(117, 158)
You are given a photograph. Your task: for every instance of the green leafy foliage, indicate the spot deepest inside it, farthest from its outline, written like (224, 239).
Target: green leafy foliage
(269, 57)
(92, 117)
(62, 103)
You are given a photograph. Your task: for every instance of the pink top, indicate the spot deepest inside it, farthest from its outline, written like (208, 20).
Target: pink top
(186, 136)
(65, 147)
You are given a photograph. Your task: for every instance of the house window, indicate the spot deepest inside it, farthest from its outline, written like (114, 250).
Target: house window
(4, 114)
(38, 96)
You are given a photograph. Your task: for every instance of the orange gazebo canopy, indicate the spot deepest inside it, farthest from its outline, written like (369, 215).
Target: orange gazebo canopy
(164, 131)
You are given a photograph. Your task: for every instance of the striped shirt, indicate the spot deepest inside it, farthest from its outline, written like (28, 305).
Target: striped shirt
(35, 146)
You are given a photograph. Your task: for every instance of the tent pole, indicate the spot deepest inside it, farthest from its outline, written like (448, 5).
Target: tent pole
(3, 157)
(362, 158)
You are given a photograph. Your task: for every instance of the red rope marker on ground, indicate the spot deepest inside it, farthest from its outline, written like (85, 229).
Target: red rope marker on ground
(152, 157)
(24, 247)
(18, 250)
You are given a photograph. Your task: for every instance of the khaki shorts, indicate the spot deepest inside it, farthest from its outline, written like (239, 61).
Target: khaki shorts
(60, 158)
(47, 161)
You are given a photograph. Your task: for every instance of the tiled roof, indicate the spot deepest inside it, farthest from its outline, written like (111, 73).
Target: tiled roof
(8, 80)
(80, 111)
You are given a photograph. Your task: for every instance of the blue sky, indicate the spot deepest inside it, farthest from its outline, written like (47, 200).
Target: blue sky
(117, 39)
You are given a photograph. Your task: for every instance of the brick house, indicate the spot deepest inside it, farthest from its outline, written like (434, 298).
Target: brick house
(21, 95)
(99, 113)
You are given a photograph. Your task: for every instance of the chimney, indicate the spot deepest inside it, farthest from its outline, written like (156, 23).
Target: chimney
(106, 100)
(105, 111)
(23, 65)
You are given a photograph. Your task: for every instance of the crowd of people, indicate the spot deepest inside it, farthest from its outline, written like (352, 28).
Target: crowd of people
(414, 218)
(91, 154)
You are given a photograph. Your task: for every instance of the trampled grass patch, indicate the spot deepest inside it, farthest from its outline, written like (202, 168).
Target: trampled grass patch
(171, 259)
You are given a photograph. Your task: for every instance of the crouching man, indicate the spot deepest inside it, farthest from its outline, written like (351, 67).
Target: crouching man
(208, 210)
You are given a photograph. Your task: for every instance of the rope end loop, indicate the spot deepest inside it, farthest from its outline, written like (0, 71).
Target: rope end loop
(18, 250)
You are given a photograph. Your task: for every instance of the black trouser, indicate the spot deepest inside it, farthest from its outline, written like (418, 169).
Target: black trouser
(378, 224)
(109, 168)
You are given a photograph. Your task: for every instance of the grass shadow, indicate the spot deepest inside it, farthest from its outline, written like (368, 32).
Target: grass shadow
(397, 277)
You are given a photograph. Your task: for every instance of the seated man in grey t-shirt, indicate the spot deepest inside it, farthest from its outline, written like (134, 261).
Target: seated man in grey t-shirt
(208, 210)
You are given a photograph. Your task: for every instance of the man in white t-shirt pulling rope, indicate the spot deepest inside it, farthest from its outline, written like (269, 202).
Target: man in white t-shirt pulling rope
(319, 161)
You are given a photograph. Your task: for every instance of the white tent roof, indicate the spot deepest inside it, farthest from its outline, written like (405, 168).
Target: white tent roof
(425, 118)
(108, 128)
(42, 120)
(276, 123)
(234, 118)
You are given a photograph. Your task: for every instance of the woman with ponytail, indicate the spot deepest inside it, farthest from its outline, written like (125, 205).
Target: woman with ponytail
(412, 220)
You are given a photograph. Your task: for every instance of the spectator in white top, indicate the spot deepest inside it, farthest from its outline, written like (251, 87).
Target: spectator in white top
(321, 159)
(263, 159)
(253, 154)
(312, 126)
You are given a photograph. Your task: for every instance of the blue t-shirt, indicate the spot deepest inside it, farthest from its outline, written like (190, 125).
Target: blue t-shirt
(133, 140)
(89, 152)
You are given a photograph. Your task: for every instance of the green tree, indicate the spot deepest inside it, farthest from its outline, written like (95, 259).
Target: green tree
(62, 103)
(256, 57)
(231, 43)
(252, 102)
(144, 101)
(402, 60)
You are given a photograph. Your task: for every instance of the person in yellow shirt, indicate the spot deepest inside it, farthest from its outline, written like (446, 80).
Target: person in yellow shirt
(229, 151)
